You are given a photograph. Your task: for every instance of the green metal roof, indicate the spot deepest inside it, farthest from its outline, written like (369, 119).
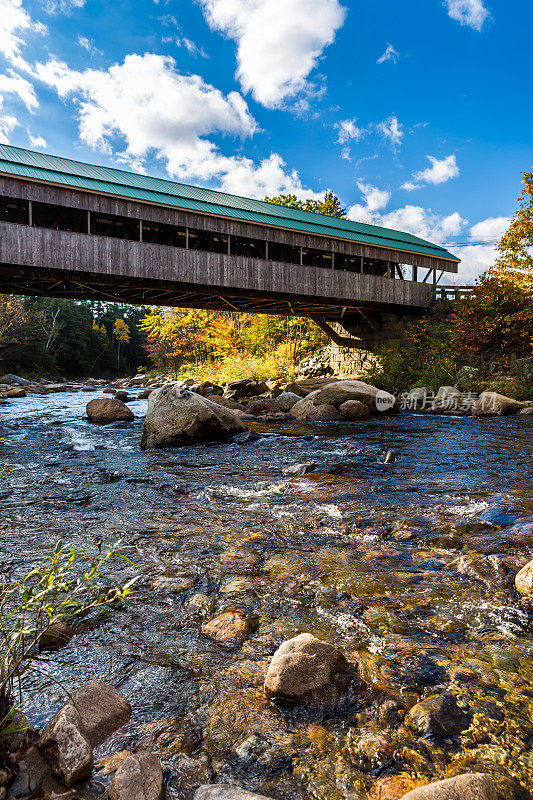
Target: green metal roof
(54, 169)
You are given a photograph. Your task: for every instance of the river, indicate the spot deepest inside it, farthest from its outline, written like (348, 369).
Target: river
(361, 554)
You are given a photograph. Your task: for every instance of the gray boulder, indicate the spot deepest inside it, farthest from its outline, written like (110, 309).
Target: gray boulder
(104, 410)
(307, 670)
(490, 404)
(139, 777)
(180, 417)
(14, 380)
(222, 792)
(471, 786)
(17, 391)
(323, 413)
(354, 409)
(66, 748)
(340, 392)
(303, 407)
(286, 400)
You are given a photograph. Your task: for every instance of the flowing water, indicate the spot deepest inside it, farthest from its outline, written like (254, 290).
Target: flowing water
(361, 554)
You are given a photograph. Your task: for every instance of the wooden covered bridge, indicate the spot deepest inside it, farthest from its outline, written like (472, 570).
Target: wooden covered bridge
(73, 230)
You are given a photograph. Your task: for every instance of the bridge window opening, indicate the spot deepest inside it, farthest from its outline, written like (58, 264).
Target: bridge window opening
(250, 248)
(347, 262)
(375, 266)
(286, 253)
(59, 218)
(14, 210)
(160, 233)
(317, 258)
(208, 241)
(114, 226)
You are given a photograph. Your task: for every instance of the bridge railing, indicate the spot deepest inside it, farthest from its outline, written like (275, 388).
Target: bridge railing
(453, 292)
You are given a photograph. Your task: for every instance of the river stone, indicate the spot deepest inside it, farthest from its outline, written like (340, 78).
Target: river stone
(303, 407)
(226, 402)
(222, 792)
(472, 786)
(104, 409)
(354, 409)
(56, 636)
(229, 629)
(490, 404)
(493, 570)
(524, 580)
(18, 391)
(180, 417)
(323, 413)
(65, 746)
(14, 380)
(139, 777)
(439, 716)
(286, 400)
(338, 393)
(145, 394)
(300, 469)
(307, 670)
(101, 709)
(262, 406)
(528, 410)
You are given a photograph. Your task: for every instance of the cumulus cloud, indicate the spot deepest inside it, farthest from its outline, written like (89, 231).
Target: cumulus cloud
(490, 229)
(468, 12)
(37, 141)
(391, 129)
(7, 125)
(279, 42)
(440, 171)
(13, 84)
(63, 6)
(424, 223)
(348, 132)
(145, 106)
(374, 200)
(390, 54)
(15, 25)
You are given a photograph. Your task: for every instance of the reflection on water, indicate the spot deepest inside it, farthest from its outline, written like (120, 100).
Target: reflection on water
(390, 562)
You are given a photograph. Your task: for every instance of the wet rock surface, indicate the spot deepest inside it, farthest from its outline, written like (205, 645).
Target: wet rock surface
(107, 410)
(463, 787)
(139, 777)
(359, 554)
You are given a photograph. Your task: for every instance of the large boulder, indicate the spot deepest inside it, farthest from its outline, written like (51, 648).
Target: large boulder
(524, 580)
(261, 406)
(306, 670)
(14, 380)
(490, 404)
(340, 392)
(471, 786)
(286, 400)
(180, 417)
(139, 777)
(303, 407)
(226, 402)
(224, 792)
(66, 748)
(105, 409)
(101, 710)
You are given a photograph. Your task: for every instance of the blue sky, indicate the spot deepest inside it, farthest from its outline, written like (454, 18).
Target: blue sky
(417, 113)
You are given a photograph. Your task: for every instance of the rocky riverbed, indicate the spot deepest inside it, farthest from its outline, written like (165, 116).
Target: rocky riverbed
(406, 568)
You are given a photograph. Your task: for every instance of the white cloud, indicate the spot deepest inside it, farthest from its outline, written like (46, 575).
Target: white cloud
(191, 47)
(87, 44)
(15, 23)
(374, 200)
(468, 12)
(424, 223)
(440, 171)
(14, 84)
(144, 107)
(390, 54)
(279, 42)
(348, 131)
(7, 125)
(37, 141)
(391, 129)
(490, 229)
(63, 6)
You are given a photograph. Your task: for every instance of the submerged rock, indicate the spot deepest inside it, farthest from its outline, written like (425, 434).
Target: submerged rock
(439, 717)
(104, 410)
(472, 786)
(307, 670)
(222, 792)
(180, 417)
(56, 636)
(139, 777)
(524, 580)
(229, 629)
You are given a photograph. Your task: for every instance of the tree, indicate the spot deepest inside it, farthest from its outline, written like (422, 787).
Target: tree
(515, 262)
(330, 205)
(121, 334)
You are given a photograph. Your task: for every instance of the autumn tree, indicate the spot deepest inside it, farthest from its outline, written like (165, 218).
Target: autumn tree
(515, 262)
(330, 205)
(121, 335)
